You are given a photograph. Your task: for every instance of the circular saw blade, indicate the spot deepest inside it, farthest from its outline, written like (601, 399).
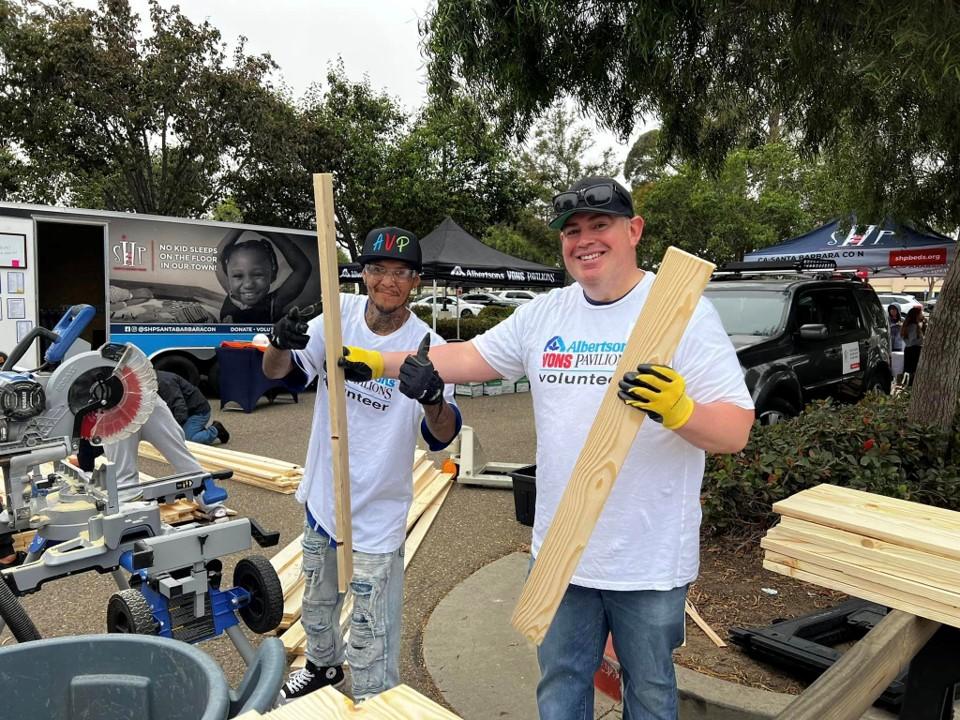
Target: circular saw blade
(135, 373)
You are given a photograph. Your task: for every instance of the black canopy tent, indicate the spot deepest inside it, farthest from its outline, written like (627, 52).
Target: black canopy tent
(453, 256)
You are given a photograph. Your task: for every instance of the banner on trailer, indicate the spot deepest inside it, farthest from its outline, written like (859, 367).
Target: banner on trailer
(220, 279)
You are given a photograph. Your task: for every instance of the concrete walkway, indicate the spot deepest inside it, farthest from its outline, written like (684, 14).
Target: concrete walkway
(484, 669)
(480, 664)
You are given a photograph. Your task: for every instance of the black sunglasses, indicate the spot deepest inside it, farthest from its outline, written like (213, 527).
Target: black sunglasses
(593, 196)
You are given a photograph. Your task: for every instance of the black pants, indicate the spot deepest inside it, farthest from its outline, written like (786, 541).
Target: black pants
(911, 358)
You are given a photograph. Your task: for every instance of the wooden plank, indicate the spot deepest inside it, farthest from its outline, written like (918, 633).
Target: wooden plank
(855, 681)
(330, 292)
(295, 639)
(824, 577)
(895, 557)
(900, 522)
(703, 624)
(654, 338)
(861, 570)
(399, 703)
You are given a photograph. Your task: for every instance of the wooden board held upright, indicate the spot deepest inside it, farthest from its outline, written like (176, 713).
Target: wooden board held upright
(654, 338)
(330, 292)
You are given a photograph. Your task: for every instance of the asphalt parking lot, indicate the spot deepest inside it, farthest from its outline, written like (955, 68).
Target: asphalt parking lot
(475, 526)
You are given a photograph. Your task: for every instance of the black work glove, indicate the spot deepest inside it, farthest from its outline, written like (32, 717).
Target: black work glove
(418, 379)
(290, 332)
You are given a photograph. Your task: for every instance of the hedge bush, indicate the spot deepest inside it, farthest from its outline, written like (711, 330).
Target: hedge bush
(868, 446)
(470, 327)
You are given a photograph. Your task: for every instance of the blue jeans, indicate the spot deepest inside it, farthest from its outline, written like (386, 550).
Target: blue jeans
(377, 585)
(195, 428)
(647, 625)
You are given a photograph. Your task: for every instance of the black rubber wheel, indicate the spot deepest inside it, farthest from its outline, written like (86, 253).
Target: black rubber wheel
(129, 612)
(258, 577)
(877, 381)
(775, 411)
(179, 365)
(466, 314)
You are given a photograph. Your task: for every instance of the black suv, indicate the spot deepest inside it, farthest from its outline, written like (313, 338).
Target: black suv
(802, 332)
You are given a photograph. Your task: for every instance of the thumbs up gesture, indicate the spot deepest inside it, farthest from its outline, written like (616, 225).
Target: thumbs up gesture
(418, 379)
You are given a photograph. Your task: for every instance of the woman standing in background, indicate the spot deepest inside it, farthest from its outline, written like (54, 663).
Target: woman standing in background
(895, 318)
(912, 335)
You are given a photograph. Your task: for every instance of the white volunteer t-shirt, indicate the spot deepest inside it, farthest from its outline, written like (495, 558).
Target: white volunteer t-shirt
(382, 428)
(647, 537)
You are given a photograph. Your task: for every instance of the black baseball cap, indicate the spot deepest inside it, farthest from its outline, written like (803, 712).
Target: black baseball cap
(391, 243)
(594, 195)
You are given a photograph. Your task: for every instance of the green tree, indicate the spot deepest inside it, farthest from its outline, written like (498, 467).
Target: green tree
(872, 85)
(387, 167)
(528, 237)
(454, 162)
(644, 162)
(759, 197)
(159, 124)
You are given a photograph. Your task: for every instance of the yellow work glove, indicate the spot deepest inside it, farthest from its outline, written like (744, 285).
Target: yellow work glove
(660, 391)
(361, 365)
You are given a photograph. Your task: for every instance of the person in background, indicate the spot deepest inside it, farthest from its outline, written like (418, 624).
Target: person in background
(895, 318)
(248, 269)
(190, 408)
(633, 576)
(912, 335)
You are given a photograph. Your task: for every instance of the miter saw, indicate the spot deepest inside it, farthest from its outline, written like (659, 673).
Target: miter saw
(81, 523)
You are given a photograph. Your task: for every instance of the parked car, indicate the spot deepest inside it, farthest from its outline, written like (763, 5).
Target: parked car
(905, 302)
(486, 298)
(446, 307)
(802, 336)
(520, 296)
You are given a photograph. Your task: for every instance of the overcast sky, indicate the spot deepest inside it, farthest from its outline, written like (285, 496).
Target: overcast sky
(379, 38)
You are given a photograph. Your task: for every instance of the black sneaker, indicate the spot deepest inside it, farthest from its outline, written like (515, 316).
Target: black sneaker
(222, 435)
(309, 679)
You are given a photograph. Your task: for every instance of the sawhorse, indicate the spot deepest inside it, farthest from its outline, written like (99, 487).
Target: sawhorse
(846, 690)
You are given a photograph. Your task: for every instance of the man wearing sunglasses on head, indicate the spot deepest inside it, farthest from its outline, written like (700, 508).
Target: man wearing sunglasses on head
(633, 575)
(383, 419)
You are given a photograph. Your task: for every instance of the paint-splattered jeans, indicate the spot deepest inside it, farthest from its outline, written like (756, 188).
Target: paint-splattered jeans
(373, 648)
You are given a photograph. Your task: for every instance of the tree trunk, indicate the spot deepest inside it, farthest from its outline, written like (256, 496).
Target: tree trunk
(937, 387)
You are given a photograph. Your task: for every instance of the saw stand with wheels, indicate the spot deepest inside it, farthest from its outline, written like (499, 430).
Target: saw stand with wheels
(81, 523)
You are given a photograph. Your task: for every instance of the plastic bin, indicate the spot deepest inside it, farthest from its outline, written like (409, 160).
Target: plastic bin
(525, 493)
(111, 677)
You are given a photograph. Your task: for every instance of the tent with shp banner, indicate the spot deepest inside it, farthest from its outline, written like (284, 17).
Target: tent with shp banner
(887, 250)
(453, 256)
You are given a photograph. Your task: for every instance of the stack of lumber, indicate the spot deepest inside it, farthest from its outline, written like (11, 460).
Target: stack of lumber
(401, 702)
(901, 554)
(263, 472)
(430, 488)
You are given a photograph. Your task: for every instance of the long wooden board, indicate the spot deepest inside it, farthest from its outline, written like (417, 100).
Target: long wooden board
(901, 522)
(894, 557)
(824, 577)
(654, 338)
(399, 703)
(333, 339)
(852, 684)
(862, 570)
(419, 519)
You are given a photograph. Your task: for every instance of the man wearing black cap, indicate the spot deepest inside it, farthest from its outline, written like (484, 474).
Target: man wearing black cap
(383, 425)
(643, 554)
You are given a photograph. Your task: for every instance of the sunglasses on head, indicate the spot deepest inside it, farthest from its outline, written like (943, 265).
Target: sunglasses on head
(593, 196)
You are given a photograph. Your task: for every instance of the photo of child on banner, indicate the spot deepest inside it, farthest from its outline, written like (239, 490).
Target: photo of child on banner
(235, 276)
(248, 271)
